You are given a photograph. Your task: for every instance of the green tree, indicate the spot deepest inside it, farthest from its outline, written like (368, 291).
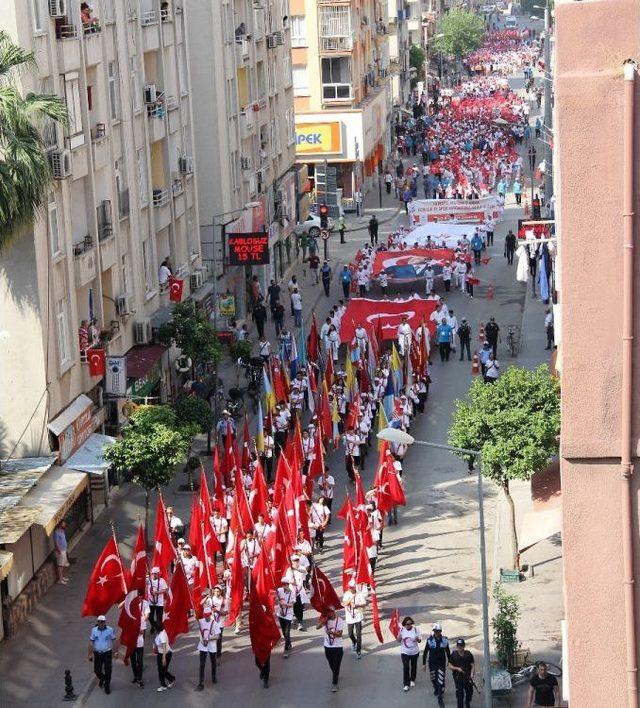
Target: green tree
(190, 330)
(505, 625)
(152, 444)
(416, 61)
(193, 410)
(25, 174)
(462, 32)
(514, 423)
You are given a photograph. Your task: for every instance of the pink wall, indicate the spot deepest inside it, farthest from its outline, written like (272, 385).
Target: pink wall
(592, 41)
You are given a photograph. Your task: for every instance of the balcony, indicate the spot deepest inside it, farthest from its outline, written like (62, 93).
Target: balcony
(336, 44)
(248, 121)
(162, 208)
(68, 48)
(338, 93)
(123, 204)
(160, 196)
(100, 146)
(242, 50)
(105, 223)
(150, 31)
(84, 261)
(177, 191)
(92, 48)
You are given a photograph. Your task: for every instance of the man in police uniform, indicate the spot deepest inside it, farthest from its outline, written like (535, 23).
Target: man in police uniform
(103, 647)
(437, 651)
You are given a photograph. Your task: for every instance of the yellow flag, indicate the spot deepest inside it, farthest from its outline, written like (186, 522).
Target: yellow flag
(382, 423)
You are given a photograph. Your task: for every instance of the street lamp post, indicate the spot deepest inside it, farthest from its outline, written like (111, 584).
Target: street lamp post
(398, 436)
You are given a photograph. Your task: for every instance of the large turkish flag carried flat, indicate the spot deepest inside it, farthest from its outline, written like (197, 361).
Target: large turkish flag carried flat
(388, 313)
(416, 257)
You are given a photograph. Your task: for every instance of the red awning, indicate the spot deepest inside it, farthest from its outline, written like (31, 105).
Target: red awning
(141, 359)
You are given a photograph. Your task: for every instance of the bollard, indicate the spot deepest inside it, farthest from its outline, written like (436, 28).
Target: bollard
(491, 291)
(475, 364)
(481, 333)
(69, 695)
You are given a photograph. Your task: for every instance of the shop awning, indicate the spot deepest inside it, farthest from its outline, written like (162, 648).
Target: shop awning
(88, 458)
(69, 414)
(539, 525)
(140, 360)
(6, 563)
(16, 522)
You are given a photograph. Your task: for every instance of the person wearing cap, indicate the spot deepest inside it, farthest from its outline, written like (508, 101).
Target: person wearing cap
(226, 425)
(409, 638)
(318, 520)
(296, 577)
(156, 589)
(437, 652)
(464, 335)
(285, 599)
(220, 527)
(209, 629)
(326, 483)
(137, 655)
(333, 626)
(189, 563)
(463, 667)
(163, 653)
(354, 601)
(103, 648)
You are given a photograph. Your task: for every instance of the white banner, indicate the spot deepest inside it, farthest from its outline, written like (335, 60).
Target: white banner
(467, 211)
(115, 377)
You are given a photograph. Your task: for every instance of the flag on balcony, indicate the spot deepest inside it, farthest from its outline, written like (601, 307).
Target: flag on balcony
(175, 289)
(97, 361)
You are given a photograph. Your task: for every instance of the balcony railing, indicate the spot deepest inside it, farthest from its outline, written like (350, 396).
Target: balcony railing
(123, 203)
(98, 133)
(83, 246)
(337, 92)
(66, 32)
(177, 188)
(336, 44)
(161, 196)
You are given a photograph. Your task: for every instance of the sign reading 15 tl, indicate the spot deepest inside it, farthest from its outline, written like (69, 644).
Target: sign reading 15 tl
(248, 249)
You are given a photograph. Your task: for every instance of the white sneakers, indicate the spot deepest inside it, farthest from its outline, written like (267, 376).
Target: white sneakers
(405, 688)
(412, 684)
(160, 689)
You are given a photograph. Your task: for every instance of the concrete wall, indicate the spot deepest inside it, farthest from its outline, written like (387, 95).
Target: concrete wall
(592, 41)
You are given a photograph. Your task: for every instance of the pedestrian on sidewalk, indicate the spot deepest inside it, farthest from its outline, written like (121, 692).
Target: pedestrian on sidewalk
(409, 638)
(314, 267)
(492, 332)
(509, 246)
(476, 247)
(333, 627)
(278, 317)
(463, 667)
(291, 286)
(209, 630)
(325, 273)
(388, 180)
(354, 602)
(342, 227)
(156, 589)
(490, 225)
(469, 280)
(259, 316)
(543, 688)
(285, 598)
(363, 282)
(264, 348)
(517, 191)
(60, 550)
(373, 230)
(438, 653)
(464, 335)
(296, 306)
(548, 326)
(163, 659)
(492, 370)
(103, 648)
(443, 337)
(345, 279)
(255, 290)
(273, 293)
(304, 245)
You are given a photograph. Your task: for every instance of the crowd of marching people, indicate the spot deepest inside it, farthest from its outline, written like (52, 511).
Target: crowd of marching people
(250, 554)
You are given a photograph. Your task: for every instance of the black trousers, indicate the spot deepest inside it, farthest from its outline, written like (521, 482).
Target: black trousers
(518, 198)
(164, 674)
(409, 668)
(334, 659)
(102, 663)
(137, 665)
(464, 689)
(494, 346)
(437, 674)
(320, 538)
(341, 231)
(280, 440)
(355, 635)
(345, 290)
(298, 609)
(265, 669)
(203, 665)
(445, 349)
(510, 252)
(447, 285)
(219, 644)
(489, 238)
(476, 257)
(388, 187)
(465, 344)
(550, 337)
(155, 616)
(285, 626)
(363, 290)
(260, 327)
(326, 284)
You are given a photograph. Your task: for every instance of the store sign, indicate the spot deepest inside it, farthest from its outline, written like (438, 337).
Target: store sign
(313, 138)
(116, 376)
(143, 387)
(75, 435)
(226, 305)
(248, 249)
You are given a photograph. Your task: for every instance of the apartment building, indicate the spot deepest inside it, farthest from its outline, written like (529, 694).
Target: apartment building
(398, 52)
(245, 135)
(342, 87)
(123, 200)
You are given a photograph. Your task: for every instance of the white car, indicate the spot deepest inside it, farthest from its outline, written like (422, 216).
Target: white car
(511, 23)
(487, 9)
(311, 226)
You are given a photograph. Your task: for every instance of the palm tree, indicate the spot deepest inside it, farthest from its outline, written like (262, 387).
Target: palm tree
(25, 174)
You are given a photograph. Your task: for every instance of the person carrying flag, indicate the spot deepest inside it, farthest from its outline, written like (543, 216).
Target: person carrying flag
(209, 629)
(285, 599)
(438, 653)
(354, 601)
(333, 627)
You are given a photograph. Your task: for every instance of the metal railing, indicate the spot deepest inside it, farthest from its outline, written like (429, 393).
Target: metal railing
(337, 92)
(160, 196)
(66, 32)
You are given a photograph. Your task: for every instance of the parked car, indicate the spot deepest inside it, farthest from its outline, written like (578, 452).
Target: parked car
(311, 226)
(510, 23)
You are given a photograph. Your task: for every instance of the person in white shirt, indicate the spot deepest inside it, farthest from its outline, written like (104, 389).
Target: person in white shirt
(220, 528)
(163, 658)
(189, 563)
(137, 655)
(164, 272)
(333, 627)
(264, 348)
(354, 602)
(209, 629)
(492, 370)
(453, 323)
(175, 524)
(249, 550)
(326, 483)
(409, 638)
(318, 519)
(429, 275)
(383, 281)
(296, 576)
(296, 304)
(351, 452)
(404, 336)
(446, 276)
(285, 599)
(267, 455)
(156, 589)
(361, 339)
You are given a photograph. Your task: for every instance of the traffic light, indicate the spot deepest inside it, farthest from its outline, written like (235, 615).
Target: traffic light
(324, 214)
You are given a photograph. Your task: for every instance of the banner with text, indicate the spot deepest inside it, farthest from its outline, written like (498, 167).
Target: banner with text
(468, 211)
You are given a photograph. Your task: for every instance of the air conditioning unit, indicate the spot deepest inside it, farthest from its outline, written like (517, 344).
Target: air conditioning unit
(246, 163)
(60, 162)
(185, 165)
(272, 43)
(142, 332)
(58, 8)
(195, 280)
(150, 93)
(279, 37)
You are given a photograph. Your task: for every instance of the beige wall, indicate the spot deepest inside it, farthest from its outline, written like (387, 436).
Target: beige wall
(592, 41)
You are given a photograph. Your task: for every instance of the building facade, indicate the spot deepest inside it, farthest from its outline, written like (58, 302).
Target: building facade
(398, 52)
(342, 87)
(245, 134)
(600, 509)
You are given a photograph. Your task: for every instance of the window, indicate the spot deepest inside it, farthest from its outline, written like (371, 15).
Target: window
(291, 126)
(54, 231)
(136, 86)
(124, 266)
(38, 15)
(298, 31)
(300, 80)
(62, 331)
(287, 70)
(182, 70)
(143, 189)
(147, 261)
(72, 99)
(114, 90)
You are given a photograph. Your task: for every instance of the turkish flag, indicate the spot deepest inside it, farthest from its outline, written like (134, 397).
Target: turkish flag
(138, 570)
(218, 477)
(236, 585)
(246, 441)
(313, 340)
(324, 596)
(289, 502)
(175, 289)
(360, 499)
(107, 583)
(262, 578)
(394, 624)
(195, 531)
(396, 492)
(210, 546)
(283, 474)
(364, 574)
(163, 552)
(243, 505)
(375, 616)
(349, 549)
(263, 630)
(97, 361)
(258, 495)
(130, 621)
(176, 611)
(283, 542)
(324, 416)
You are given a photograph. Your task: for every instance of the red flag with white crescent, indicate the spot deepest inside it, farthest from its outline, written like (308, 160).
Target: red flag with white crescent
(178, 603)
(130, 621)
(394, 624)
(164, 551)
(324, 596)
(175, 289)
(236, 586)
(97, 359)
(107, 582)
(137, 577)
(375, 616)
